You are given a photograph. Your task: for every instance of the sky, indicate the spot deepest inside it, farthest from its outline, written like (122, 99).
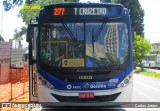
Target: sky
(151, 19)
(10, 20)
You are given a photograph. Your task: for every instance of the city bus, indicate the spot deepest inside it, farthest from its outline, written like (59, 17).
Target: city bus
(80, 54)
(152, 61)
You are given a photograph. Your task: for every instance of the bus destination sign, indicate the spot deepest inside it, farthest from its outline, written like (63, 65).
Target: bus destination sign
(79, 11)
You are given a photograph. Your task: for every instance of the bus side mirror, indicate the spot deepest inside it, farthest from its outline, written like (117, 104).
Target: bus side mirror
(31, 39)
(28, 33)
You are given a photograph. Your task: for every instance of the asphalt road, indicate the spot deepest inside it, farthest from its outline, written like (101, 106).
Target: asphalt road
(145, 88)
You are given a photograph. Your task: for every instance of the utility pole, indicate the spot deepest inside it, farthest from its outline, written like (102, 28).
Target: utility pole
(1, 18)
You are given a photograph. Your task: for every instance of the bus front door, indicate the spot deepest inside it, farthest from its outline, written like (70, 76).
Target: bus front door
(31, 39)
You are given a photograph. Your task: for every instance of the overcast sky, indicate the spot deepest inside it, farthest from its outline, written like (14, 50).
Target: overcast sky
(151, 20)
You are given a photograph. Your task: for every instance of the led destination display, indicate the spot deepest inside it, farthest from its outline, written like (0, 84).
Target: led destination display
(79, 11)
(84, 10)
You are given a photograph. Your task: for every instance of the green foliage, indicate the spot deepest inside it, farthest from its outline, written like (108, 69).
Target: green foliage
(26, 14)
(1, 38)
(153, 74)
(8, 4)
(141, 46)
(18, 34)
(136, 12)
(154, 52)
(105, 0)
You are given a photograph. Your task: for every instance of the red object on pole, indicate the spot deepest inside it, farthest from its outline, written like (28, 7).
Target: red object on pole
(24, 78)
(11, 81)
(0, 74)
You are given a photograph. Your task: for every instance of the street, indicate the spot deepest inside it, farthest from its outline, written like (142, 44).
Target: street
(145, 88)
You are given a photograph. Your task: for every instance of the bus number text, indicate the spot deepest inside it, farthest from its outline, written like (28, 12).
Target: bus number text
(59, 11)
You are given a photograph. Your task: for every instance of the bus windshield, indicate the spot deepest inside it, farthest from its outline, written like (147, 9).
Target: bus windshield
(84, 44)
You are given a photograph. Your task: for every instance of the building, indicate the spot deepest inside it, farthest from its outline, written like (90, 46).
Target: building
(112, 41)
(155, 48)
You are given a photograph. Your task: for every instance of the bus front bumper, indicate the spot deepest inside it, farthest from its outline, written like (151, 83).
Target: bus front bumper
(112, 97)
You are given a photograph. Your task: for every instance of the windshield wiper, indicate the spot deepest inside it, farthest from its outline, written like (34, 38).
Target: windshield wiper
(100, 30)
(69, 32)
(94, 38)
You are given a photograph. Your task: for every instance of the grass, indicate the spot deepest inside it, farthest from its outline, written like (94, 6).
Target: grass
(153, 74)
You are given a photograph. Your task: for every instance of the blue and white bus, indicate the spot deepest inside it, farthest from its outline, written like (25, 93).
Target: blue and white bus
(80, 54)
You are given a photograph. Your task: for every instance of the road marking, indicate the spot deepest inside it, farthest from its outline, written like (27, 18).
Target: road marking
(147, 86)
(143, 94)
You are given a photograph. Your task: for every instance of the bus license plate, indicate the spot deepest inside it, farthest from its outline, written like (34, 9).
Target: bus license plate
(86, 95)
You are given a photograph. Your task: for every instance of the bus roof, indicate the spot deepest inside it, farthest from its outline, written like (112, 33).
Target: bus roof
(85, 3)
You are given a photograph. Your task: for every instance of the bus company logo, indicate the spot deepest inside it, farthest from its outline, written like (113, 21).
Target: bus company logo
(97, 86)
(85, 85)
(113, 80)
(73, 87)
(69, 86)
(76, 87)
(111, 84)
(85, 77)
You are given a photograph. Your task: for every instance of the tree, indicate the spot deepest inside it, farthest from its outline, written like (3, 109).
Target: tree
(155, 51)
(136, 12)
(26, 15)
(105, 0)
(8, 4)
(18, 34)
(1, 38)
(141, 46)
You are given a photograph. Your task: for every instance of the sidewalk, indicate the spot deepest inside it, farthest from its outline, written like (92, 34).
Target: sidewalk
(151, 70)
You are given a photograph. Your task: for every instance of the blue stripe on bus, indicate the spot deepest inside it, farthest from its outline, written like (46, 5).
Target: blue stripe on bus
(61, 85)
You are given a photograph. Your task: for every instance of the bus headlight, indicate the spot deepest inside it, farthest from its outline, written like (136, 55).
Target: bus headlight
(125, 81)
(45, 83)
(50, 86)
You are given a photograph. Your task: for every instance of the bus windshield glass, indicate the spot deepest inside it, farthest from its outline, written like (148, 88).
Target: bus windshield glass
(84, 44)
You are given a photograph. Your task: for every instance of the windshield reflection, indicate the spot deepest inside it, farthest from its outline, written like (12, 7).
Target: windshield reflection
(84, 44)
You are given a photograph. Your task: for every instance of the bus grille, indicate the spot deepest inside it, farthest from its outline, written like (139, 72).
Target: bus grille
(76, 99)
